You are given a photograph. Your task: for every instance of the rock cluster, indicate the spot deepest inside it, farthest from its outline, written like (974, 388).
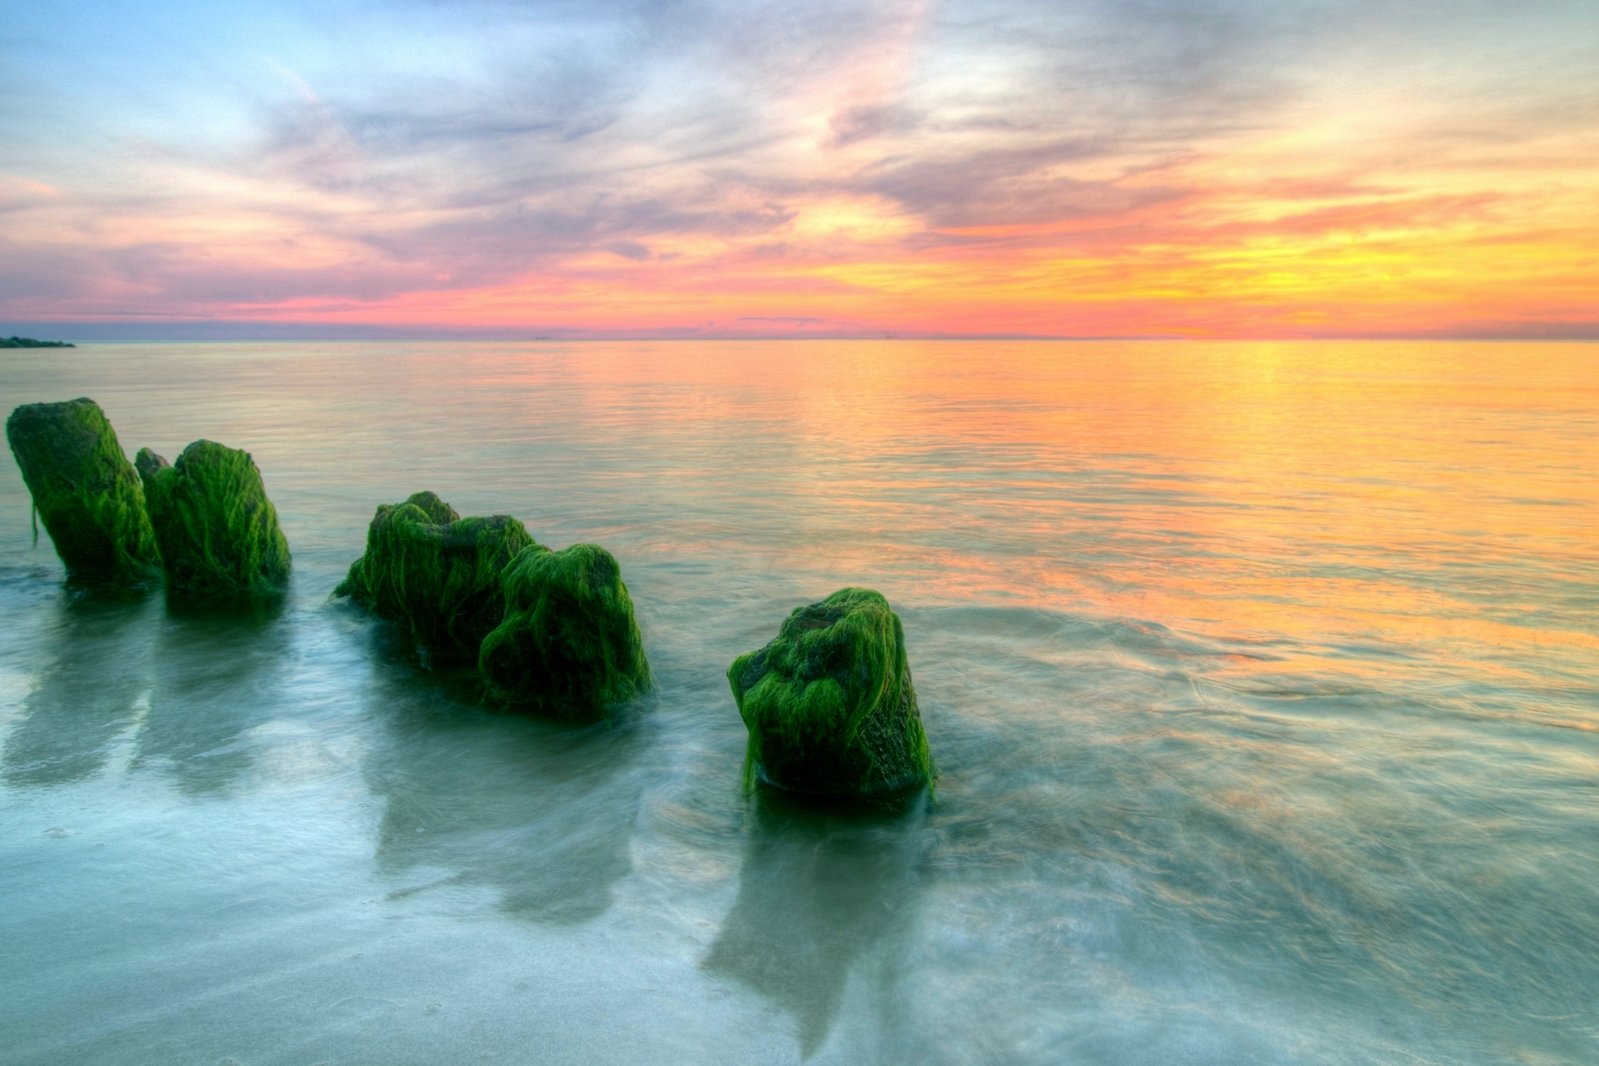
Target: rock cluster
(206, 522)
(828, 703)
(552, 632)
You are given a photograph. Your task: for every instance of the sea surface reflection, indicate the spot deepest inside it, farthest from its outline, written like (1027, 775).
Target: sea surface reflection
(541, 812)
(821, 893)
(1263, 680)
(214, 677)
(91, 663)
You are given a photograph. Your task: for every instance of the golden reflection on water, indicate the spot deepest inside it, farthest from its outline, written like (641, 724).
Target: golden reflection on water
(1326, 494)
(1314, 491)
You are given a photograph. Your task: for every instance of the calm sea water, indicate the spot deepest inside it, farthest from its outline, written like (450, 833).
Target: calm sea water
(1263, 680)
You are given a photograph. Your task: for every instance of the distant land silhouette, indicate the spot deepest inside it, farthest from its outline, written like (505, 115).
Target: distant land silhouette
(29, 342)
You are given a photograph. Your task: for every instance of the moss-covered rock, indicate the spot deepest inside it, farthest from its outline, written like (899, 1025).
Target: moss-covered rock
(85, 491)
(436, 573)
(219, 534)
(569, 646)
(829, 704)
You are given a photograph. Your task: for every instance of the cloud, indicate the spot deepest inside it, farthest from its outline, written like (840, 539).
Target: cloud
(629, 250)
(496, 246)
(1006, 187)
(865, 121)
(18, 194)
(33, 276)
(430, 150)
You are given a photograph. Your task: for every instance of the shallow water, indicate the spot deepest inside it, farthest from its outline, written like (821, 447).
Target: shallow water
(1263, 681)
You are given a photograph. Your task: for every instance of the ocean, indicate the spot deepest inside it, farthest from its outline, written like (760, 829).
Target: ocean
(1262, 680)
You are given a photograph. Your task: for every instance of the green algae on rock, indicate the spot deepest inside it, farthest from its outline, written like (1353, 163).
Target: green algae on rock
(436, 573)
(85, 490)
(829, 703)
(219, 534)
(569, 646)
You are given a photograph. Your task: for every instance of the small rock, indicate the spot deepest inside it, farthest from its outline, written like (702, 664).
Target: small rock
(85, 491)
(569, 646)
(829, 703)
(219, 534)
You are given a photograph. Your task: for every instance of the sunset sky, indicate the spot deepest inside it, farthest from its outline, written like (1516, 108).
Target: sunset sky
(1209, 168)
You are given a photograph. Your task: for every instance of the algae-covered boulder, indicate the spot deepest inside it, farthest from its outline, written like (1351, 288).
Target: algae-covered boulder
(569, 646)
(436, 573)
(219, 534)
(85, 491)
(829, 704)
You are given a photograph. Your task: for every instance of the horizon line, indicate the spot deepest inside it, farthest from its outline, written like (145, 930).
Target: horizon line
(246, 331)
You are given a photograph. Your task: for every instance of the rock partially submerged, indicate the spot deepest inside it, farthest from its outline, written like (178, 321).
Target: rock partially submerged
(569, 646)
(829, 703)
(219, 534)
(436, 573)
(85, 491)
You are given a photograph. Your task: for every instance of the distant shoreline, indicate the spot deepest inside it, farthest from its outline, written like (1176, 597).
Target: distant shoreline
(29, 342)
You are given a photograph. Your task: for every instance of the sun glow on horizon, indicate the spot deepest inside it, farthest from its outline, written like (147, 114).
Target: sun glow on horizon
(952, 169)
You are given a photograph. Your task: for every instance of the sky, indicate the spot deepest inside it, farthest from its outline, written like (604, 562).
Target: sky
(1079, 168)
